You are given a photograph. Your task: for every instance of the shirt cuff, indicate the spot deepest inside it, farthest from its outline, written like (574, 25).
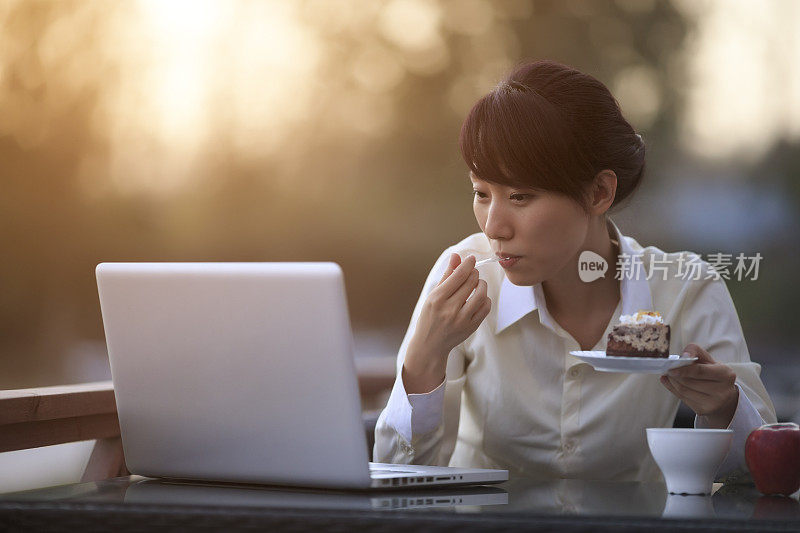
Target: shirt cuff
(426, 410)
(414, 414)
(745, 419)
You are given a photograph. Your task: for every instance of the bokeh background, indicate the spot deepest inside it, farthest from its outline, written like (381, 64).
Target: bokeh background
(312, 130)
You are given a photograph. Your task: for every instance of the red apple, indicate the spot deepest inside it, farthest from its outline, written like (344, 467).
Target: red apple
(772, 453)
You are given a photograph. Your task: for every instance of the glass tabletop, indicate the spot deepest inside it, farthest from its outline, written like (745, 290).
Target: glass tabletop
(519, 496)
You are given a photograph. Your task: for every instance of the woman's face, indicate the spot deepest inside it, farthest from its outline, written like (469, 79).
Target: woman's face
(546, 230)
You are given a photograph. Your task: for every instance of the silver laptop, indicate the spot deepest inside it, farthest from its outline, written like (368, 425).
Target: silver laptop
(169, 492)
(244, 372)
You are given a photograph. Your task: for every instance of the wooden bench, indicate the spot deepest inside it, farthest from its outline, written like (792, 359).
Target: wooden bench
(30, 418)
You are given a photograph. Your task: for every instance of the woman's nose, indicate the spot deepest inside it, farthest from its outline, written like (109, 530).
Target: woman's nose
(497, 224)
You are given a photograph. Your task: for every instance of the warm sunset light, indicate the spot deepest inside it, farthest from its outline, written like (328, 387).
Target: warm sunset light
(183, 78)
(744, 67)
(196, 66)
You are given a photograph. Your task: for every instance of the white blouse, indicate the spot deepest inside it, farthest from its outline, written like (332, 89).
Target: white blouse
(515, 398)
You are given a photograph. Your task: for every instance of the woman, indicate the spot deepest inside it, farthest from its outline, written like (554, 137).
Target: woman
(485, 377)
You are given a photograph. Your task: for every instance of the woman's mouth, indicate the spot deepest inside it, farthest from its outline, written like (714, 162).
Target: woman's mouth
(507, 261)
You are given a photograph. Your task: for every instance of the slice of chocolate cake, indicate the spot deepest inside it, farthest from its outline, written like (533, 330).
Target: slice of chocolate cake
(641, 335)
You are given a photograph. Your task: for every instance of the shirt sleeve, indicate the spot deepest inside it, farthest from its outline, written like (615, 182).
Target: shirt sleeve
(709, 319)
(745, 419)
(422, 428)
(414, 414)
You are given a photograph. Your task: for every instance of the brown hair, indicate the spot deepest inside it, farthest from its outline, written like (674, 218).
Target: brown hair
(551, 127)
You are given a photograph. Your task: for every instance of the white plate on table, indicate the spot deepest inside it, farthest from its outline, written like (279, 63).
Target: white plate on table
(632, 365)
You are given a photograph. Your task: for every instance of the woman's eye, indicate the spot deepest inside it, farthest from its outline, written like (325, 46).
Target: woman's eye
(517, 197)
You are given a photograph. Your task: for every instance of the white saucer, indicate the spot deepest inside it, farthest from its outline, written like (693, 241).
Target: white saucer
(632, 365)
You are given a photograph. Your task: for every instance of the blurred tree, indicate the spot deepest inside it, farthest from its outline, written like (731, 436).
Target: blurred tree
(46, 224)
(767, 306)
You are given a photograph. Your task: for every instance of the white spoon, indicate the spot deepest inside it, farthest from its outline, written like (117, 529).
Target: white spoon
(484, 261)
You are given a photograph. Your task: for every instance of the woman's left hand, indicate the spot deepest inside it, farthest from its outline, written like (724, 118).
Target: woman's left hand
(706, 386)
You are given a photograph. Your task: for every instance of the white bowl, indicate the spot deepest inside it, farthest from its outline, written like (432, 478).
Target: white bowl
(689, 458)
(688, 506)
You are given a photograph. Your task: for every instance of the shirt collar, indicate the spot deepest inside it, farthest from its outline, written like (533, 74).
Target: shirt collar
(516, 301)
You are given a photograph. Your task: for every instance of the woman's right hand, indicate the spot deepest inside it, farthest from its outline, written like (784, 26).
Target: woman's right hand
(446, 320)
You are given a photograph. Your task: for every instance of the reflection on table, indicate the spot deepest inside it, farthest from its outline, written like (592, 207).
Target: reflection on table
(151, 491)
(517, 497)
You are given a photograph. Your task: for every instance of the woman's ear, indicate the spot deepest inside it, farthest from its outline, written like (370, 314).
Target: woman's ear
(604, 189)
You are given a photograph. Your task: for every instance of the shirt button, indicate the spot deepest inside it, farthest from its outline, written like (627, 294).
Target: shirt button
(569, 446)
(574, 372)
(406, 447)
